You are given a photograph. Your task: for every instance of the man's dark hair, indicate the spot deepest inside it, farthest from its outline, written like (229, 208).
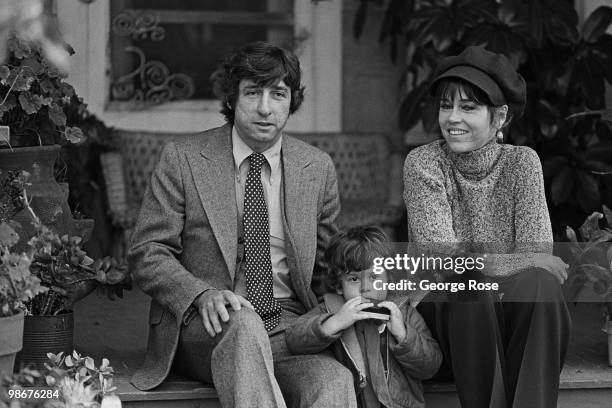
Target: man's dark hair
(353, 250)
(264, 64)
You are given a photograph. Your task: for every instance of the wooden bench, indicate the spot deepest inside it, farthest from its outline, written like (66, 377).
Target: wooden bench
(118, 331)
(369, 175)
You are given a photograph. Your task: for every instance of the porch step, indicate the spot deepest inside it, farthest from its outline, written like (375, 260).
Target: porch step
(188, 394)
(118, 331)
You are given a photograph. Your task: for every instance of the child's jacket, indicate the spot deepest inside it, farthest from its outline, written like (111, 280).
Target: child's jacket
(416, 358)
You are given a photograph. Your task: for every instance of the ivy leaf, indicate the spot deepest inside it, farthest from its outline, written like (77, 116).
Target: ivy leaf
(30, 103)
(57, 115)
(74, 134)
(32, 66)
(8, 236)
(46, 86)
(67, 89)
(18, 80)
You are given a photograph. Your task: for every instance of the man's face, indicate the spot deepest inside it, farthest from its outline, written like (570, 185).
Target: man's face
(261, 113)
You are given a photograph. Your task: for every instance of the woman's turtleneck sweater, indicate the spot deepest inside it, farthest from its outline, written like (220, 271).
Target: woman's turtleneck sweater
(491, 199)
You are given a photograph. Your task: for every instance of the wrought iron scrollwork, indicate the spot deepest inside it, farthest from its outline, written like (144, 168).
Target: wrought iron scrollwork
(151, 83)
(138, 26)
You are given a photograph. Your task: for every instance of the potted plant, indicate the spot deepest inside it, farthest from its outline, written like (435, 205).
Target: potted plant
(34, 98)
(60, 264)
(73, 381)
(590, 273)
(17, 286)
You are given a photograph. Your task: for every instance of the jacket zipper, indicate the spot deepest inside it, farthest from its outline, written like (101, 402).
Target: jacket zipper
(362, 376)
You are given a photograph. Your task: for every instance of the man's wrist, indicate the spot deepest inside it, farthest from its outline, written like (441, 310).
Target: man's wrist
(199, 299)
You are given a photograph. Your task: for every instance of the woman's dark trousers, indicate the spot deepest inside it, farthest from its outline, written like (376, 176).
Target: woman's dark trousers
(503, 353)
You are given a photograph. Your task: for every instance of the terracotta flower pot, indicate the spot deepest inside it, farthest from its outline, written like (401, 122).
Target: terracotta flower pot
(11, 339)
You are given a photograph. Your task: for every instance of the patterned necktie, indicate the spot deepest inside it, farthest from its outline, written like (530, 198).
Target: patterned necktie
(257, 246)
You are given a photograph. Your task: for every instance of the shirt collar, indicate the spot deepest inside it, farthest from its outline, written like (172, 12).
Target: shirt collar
(242, 151)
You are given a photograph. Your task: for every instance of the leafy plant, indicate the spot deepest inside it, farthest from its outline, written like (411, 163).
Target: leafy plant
(78, 381)
(33, 99)
(17, 284)
(63, 266)
(565, 68)
(591, 265)
(60, 263)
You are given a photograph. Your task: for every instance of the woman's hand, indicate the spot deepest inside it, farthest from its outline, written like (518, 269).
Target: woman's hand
(344, 318)
(396, 322)
(552, 264)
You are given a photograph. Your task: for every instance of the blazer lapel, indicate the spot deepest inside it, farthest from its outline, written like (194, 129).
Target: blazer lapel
(300, 207)
(213, 174)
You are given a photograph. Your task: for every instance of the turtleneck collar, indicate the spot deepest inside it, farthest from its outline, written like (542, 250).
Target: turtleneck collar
(477, 163)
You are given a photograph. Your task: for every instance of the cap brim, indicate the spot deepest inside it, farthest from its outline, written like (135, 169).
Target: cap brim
(477, 78)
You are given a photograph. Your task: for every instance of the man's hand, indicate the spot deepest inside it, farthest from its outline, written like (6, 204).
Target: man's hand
(396, 321)
(344, 318)
(552, 264)
(212, 306)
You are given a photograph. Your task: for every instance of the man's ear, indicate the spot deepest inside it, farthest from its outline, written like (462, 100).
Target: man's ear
(339, 290)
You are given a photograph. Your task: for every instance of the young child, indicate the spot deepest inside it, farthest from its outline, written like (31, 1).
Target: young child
(388, 357)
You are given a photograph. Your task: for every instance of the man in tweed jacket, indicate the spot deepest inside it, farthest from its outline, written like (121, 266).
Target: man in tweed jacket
(187, 251)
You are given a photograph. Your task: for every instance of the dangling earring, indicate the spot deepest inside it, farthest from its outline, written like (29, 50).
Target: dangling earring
(499, 136)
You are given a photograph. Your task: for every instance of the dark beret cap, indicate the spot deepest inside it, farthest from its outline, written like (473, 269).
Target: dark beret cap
(492, 73)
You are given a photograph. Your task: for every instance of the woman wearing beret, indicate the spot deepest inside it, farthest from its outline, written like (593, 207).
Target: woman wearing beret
(471, 191)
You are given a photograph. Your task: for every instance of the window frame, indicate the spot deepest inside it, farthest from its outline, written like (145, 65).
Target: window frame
(87, 28)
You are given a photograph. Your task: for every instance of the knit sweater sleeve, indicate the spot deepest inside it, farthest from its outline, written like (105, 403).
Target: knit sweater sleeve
(533, 232)
(531, 219)
(429, 212)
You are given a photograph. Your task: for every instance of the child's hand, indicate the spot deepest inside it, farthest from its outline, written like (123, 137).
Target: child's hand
(344, 318)
(396, 322)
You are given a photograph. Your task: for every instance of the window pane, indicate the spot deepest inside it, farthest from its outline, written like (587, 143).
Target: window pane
(164, 50)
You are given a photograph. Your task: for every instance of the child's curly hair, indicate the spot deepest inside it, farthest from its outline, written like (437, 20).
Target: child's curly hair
(353, 250)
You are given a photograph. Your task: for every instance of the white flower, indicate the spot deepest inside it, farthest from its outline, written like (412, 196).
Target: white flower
(76, 394)
(111, 401)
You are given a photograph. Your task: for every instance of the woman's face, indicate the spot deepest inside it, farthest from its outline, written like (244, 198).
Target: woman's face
(465, 125)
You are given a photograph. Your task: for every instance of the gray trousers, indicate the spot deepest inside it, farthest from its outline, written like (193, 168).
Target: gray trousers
(251, 369)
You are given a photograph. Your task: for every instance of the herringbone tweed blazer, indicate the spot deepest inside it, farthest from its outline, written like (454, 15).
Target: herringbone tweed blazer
(185, 240)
